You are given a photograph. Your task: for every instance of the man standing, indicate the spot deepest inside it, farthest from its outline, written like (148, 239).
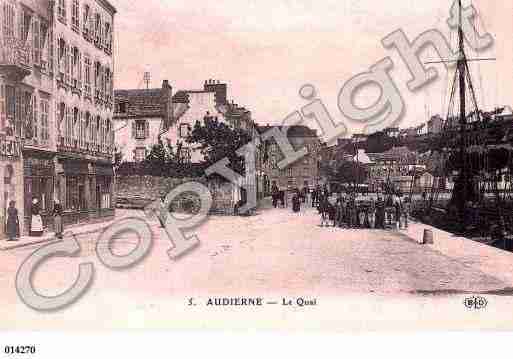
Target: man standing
(380, 213)
(274, 194)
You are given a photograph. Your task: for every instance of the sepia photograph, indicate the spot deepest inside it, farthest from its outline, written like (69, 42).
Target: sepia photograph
(324, 166)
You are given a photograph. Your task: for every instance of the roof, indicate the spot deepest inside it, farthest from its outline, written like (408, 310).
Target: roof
(292, 131)
(395, 153)
(147, 102)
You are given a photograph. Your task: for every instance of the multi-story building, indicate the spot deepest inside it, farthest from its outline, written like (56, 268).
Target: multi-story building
(26, 88)
(56, 130)
(302, 173)
(84, 106)
(143, 117)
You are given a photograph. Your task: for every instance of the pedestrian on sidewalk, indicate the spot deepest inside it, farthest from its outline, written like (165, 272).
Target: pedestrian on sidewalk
(362, 215)
(380, 213)
(57, 219)
(36, 223)
(296, 202)
(398, 211)
(371, 214)
(13, 222)
(406, 212)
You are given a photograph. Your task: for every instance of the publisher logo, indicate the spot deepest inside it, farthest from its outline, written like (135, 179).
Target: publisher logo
(475, 303)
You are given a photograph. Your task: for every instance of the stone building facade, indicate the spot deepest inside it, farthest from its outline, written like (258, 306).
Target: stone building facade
(84, 106)
(302, 173)
(56, 134)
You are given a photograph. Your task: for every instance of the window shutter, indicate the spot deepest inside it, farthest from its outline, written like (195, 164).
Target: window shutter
(146, 129)
(36, 118)
(2, 107)
(133, 129)
(79, 71)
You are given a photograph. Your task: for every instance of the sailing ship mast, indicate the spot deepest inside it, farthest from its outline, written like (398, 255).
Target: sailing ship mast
(463, 188)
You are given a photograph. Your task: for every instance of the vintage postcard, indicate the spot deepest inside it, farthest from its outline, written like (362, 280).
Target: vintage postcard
(341, 166)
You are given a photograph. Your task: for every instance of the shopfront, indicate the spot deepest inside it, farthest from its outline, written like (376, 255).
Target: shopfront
(38, 179)
(85, 190)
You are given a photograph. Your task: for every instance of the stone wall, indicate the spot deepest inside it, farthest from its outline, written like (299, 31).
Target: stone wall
(139, 191)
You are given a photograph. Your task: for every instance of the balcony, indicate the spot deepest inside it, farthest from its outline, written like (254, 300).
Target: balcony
(15, 59)
(72, 146)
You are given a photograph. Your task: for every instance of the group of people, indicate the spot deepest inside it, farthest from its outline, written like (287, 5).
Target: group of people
(349, 213)
(12, 224)
(301, 196)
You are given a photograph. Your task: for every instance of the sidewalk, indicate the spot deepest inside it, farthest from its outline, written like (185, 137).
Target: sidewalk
(77, 229)
(490, 260)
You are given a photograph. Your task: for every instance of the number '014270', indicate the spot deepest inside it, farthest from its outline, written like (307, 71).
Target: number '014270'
(20, 349)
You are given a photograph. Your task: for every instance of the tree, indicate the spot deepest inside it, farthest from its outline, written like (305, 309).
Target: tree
(217, 140)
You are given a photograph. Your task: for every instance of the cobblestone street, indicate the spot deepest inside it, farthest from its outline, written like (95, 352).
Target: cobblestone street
(275, 253)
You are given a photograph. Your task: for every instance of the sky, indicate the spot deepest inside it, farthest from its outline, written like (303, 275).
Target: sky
(266, 50)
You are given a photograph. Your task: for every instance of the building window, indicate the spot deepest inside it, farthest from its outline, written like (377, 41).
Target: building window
(44, 46)
(76, 69)
(44, 109)
(122, 107)
(75, 126)
(98, 29)
(36, 42)
(10, 103)
(61, 11)
(26, 21)
(97, 129)
(97, 79)
(8, 19)
(105, 188)
(140, 154)
(140, 129)
(75, 16)
(85, 25)
(108, 37)
(184, 130)
(87, 130)
(72, 193)
(185, 154)
(35, 123)
(87, 75)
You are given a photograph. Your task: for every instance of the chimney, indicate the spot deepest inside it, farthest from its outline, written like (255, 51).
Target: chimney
(168, 103)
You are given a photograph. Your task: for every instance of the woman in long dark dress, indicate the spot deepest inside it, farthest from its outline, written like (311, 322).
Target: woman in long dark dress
(57, 219)
(296, 202)
(36, 224)
(13, 222)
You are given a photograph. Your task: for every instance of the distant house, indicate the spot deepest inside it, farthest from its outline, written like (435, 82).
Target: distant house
(421, 130)
(434, 125)
(359, 137)
(392, 132)
(305, 171)
(145, 116)
(141, 116)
